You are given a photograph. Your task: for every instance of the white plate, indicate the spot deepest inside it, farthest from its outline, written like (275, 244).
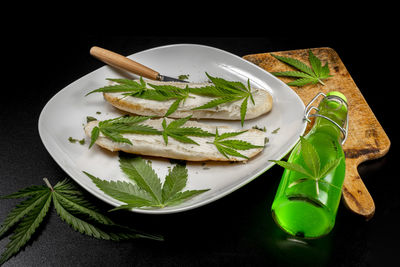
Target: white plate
(65, 114)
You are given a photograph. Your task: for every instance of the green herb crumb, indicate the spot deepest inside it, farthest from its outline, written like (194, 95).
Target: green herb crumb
(73, 140)
(90, 118)
(264, 129)
(183, 77)
(276, 130)
(266, 140)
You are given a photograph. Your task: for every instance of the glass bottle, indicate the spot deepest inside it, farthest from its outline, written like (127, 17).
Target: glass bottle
(305, 207)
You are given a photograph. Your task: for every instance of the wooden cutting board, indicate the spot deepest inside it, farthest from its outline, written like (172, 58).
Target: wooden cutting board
(366, 138)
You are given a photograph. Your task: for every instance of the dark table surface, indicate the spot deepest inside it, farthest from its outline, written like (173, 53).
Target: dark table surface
(236, 230)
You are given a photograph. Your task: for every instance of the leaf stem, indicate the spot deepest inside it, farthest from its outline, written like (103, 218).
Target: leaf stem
(48, 184)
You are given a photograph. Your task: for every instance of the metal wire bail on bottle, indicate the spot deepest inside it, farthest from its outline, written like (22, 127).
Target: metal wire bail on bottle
(309, 108)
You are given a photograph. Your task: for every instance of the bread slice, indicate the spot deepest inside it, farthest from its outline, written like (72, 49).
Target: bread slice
(154, 145)
(228, 111)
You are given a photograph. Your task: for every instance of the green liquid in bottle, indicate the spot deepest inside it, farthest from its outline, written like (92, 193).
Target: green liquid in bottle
(308, 208)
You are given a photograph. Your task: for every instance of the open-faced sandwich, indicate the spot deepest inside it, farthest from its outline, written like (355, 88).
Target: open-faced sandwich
(182, 139)
(218, 99)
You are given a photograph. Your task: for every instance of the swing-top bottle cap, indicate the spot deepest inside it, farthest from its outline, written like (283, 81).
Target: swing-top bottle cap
(338, 94)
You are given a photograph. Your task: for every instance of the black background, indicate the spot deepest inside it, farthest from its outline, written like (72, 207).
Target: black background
(43, 56)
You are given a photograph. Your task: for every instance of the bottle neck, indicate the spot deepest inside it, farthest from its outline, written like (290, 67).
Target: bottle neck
(335, 109)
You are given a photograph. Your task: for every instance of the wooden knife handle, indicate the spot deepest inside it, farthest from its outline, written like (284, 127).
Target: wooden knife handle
(119, 61)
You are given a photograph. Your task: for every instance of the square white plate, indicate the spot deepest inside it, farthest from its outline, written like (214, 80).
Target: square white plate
(65, 114)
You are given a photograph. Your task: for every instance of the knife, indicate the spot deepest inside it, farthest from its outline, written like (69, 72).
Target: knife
(124, 63)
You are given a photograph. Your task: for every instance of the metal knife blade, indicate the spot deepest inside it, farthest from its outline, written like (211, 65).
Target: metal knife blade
(170, 79)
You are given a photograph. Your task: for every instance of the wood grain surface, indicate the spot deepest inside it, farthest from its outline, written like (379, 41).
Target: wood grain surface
(366, 138)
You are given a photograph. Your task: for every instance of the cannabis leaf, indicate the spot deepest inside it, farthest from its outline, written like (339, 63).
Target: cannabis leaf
(114, 128)
(314, 74)
(230, 146)
(146, 191)
(171, 92)
(123, 85)
(312, 170)
(70, 205)
(140, 90)
(224, 92)
(175, 130)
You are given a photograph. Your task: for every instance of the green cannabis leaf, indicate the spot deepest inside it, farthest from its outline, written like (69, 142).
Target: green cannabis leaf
(147, 191)
(140, 90)
(70, 205)
(230, 146)
(225, 92)
(163, 93)
(222, 91)
(169, 92)
(175, 130)
(305, 74)
(313, 171)
(114, 128)
(124, 85)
